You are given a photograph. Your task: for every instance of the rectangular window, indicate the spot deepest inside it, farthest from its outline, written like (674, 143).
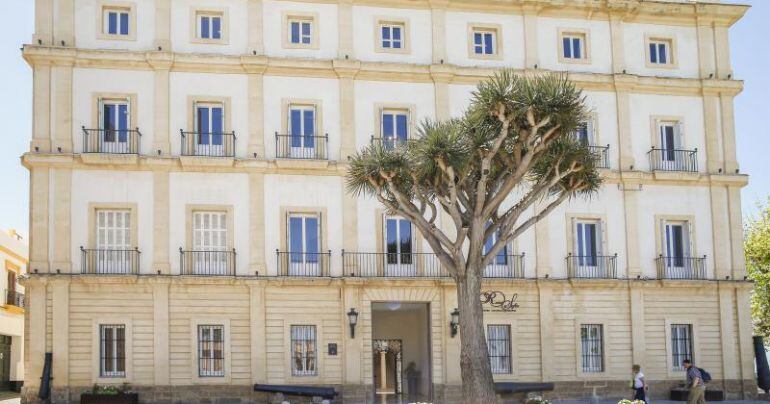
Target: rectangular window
(681, 345)
(116, 21)
(391, 35)
(592, 348)
(209, 234)
(304, 244)
(670, 139)
(660, 52)
(302, 128)
(211, 349)
(499, 345)
(303, 350)
(112, 350)
(484, 42)
(587, 242)
(585, 133)
(114, 118)
(398, 241)
(502, 256)
(394, 127)
(300, 31)
(209, 129)
(113, 229)
(677, 245)
(209, 25)
(573, 46)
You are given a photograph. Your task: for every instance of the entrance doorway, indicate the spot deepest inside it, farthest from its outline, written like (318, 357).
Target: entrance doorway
(5, 362)
(401, 361)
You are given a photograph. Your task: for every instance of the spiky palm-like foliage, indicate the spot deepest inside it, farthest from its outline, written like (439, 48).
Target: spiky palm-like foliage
(513, 148)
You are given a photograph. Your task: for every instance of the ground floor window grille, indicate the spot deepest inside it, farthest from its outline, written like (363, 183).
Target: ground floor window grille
(499, 345)
(592, 348)
(112, 350)
(211, 350)
(303, 350)
(681, 344)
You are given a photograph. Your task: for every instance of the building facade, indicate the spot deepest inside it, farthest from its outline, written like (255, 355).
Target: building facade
(13, 264)
(191, 234)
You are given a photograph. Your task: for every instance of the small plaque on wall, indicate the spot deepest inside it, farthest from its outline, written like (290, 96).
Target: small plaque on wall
(333, 349)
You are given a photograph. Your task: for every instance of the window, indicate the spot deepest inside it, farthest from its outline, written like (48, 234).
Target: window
(670, 139)
(681, 345)
(659, 52)
(112, 350)
(211, 350)
(209, 129)
(399, 247)
(392, 36)
(303, 350)
(587, 242)
(300, 31)
(585, 133)
(484, 42)
(499, 345)
(116, 21)
(114, 121)
(302, 127)
(394, 127)
(573, 47)
(502, 255)
(209, 25)
(677, 249)
(592, 348)
(304, 244)
(209, 235)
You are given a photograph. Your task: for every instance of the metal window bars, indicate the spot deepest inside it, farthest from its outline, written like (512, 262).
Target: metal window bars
(312, 264)
(115, 141)
(681, 267)
(663, 159)
(207, 144)
(207, 262)
(592, 266)
(110, 261)
(303, 147)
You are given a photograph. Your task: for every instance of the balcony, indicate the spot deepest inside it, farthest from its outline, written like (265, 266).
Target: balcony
(681, 267)
(111, 141)
(673, 160)
(506, 266)
(302, 147)
(109, 261)
(303, 263)
(207, 262)
(14, 298)
(208, 144)
(389, 142)
(420, 265)
(592, 266)
(602, 155)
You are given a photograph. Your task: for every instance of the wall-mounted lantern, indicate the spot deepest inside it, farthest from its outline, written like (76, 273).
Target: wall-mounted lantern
(454, 322)
(353, 320)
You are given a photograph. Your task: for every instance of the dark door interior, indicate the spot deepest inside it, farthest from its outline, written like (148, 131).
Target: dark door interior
(5, 362)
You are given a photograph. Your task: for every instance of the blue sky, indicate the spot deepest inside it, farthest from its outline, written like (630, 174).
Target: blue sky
(750, 59)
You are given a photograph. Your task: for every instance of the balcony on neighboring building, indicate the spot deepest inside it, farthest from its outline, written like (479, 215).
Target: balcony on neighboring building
(312, 264)
(420, 265)
(681, 267)
(602, 155)
(302, 147)
(673, 160)
(14, 298)
(111, 141)
(105, 261)
(208, 144)
(592, 266)
(207, 262)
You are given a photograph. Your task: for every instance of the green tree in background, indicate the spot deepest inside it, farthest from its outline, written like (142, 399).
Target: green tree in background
(757, 249)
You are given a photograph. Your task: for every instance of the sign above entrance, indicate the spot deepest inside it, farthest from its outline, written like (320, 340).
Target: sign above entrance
(496, 301)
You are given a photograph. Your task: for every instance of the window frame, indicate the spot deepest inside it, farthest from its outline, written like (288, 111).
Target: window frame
(509, 341)
(102, 7)
(96, 368)
(210, 358)
(584, 36)
(409, 109)
(660, 239)
(298, 16)
(195, 323)
(496, 30)
(115, 343)
(694, 341)
(93, 209)
(195, 32)
(383, 21)
(607, 351)
(672, 61)
(316, 353)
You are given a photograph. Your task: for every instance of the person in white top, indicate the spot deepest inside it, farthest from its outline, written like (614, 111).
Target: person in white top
(639, 384)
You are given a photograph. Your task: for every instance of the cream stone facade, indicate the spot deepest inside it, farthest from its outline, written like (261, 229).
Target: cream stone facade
(191, 234)
(13, 264)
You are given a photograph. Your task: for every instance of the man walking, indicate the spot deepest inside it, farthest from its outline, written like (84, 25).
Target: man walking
(695, 383)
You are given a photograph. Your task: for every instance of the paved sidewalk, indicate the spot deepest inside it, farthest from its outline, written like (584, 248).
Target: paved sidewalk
(655, 402)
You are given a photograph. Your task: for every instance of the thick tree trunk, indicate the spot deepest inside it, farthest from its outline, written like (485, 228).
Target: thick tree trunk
(478, 385)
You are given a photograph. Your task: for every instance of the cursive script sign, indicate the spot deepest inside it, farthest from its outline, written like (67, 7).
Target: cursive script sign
(497, 301)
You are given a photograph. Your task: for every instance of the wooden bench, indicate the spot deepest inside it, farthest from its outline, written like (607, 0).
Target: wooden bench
(305, 391)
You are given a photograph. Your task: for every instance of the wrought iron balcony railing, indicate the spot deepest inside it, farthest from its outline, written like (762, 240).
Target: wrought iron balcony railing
(673, 160)
(506, 266)
(409, 265)
(208, 144)
(207, 262)
(389, 142)
(306, 147)
(14, 298)
(602, 155)
(681, 267)
(110, 261)
(292, 263)
(114, 141)
(592, 266)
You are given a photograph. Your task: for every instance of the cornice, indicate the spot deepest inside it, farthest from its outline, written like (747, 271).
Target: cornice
(341, 68)
(624, 180)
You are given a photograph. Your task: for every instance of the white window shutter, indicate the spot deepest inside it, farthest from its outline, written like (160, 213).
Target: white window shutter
(382, 122)
(661, 134)
(687, 244)
(600, 237)
(592, 140)
(679, 135)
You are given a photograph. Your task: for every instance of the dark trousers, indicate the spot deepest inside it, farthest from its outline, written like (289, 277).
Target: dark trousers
(639, 394)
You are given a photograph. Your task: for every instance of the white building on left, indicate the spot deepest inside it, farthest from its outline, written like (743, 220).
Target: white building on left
(13, 264)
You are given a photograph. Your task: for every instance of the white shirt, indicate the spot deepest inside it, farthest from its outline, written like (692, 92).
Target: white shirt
(638, 384)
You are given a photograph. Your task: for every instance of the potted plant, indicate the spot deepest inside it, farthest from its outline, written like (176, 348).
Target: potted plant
(110, 395)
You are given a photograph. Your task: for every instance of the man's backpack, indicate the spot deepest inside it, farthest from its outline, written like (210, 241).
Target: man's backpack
(704, 375)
